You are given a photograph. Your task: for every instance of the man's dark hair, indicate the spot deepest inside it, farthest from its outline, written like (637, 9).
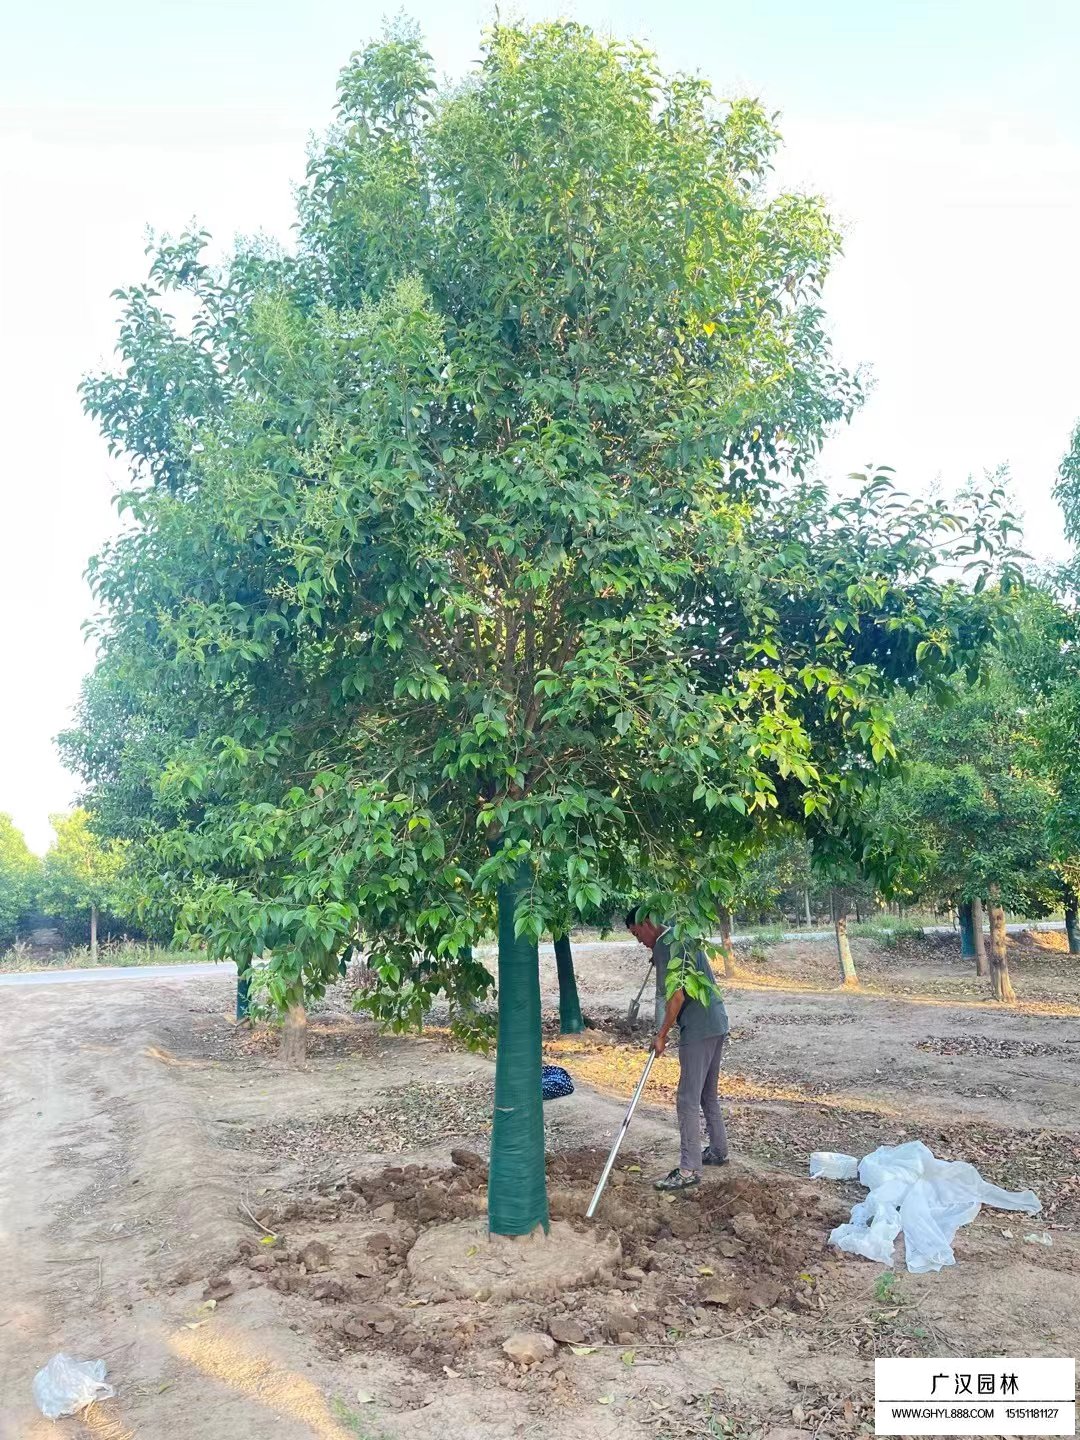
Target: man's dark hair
(631, 916)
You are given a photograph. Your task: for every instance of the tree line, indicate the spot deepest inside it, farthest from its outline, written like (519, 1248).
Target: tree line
(77, 887)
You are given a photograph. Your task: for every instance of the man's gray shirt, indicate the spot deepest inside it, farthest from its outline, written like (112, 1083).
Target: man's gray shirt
(696, 1021)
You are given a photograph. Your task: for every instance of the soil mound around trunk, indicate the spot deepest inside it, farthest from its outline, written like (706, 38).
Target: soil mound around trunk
(463, 1258)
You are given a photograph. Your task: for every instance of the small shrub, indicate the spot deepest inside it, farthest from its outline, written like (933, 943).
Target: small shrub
(887, 1290)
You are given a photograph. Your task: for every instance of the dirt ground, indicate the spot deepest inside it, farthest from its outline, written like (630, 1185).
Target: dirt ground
(233, 1238)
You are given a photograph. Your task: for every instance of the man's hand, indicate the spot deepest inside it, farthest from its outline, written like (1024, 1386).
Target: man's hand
(671, 1014)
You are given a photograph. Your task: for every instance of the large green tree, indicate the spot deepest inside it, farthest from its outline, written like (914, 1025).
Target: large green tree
(452, 589)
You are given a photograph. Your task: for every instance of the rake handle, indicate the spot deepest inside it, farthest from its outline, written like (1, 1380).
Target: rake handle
(620, 1136)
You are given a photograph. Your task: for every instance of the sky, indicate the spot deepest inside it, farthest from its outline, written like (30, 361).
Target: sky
(945, 135)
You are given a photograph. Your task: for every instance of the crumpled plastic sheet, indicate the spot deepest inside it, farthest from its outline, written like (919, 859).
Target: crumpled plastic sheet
(926, 1198)
(66, 1386)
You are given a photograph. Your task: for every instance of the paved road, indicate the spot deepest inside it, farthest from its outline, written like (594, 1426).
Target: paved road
(117, 972)
(170, 972)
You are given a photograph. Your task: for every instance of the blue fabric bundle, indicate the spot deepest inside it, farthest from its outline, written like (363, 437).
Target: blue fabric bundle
(554, 1082)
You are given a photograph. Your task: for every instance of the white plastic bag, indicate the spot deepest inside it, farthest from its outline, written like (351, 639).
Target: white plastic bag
(66, 1386)
(829, 1165)
(929, 1199)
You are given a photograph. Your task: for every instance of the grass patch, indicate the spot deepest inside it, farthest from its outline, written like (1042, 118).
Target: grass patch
(889, 932)
(23, 959)
(766, 934)
(352, 1421)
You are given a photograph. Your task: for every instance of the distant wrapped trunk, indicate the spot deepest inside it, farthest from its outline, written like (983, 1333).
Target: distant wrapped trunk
(570, 1021)
(243, 992)
(999, 960)
(848, 974)
(93, 934)
(978, 935)
(1072, 920)
(967, 929)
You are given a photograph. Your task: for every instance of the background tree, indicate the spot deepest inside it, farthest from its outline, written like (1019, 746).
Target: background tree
(776, 878)
(20, 878)
(1067, 487)
(1059, 711)
(1040, 654)
(123, 736)
(975, 800)
(81, 874)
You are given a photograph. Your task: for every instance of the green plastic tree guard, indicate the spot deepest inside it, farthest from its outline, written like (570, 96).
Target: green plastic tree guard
(243, 982)
(570, 1021)
(517, 1185)
(967, 931)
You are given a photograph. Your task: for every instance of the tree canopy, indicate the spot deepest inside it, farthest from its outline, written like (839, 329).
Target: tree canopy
(473, 577)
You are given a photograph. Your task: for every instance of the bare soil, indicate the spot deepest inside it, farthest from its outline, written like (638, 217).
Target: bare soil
(461, 1259)
(234, 1238)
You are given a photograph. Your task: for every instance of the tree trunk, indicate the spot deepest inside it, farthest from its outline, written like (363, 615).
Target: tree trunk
(999, 960)
(517, 1185)
(1072, 921)
(570, 1021)
(727, 949)
(967, 930)
(294, 1036)
(809, 917)
(93, 934)
(978, 935)
(843, 944)
(243, 986)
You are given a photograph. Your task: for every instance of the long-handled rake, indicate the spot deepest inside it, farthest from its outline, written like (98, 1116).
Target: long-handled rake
(619, 1138)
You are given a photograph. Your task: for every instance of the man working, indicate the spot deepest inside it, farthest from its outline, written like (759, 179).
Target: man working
(703, 1029)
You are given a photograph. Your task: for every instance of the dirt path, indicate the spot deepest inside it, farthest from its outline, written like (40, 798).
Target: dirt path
(122, 1160)
(108, 1183)
(135, 1121)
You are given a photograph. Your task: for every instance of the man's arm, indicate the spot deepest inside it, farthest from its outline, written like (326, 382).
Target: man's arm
(671, 1014)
